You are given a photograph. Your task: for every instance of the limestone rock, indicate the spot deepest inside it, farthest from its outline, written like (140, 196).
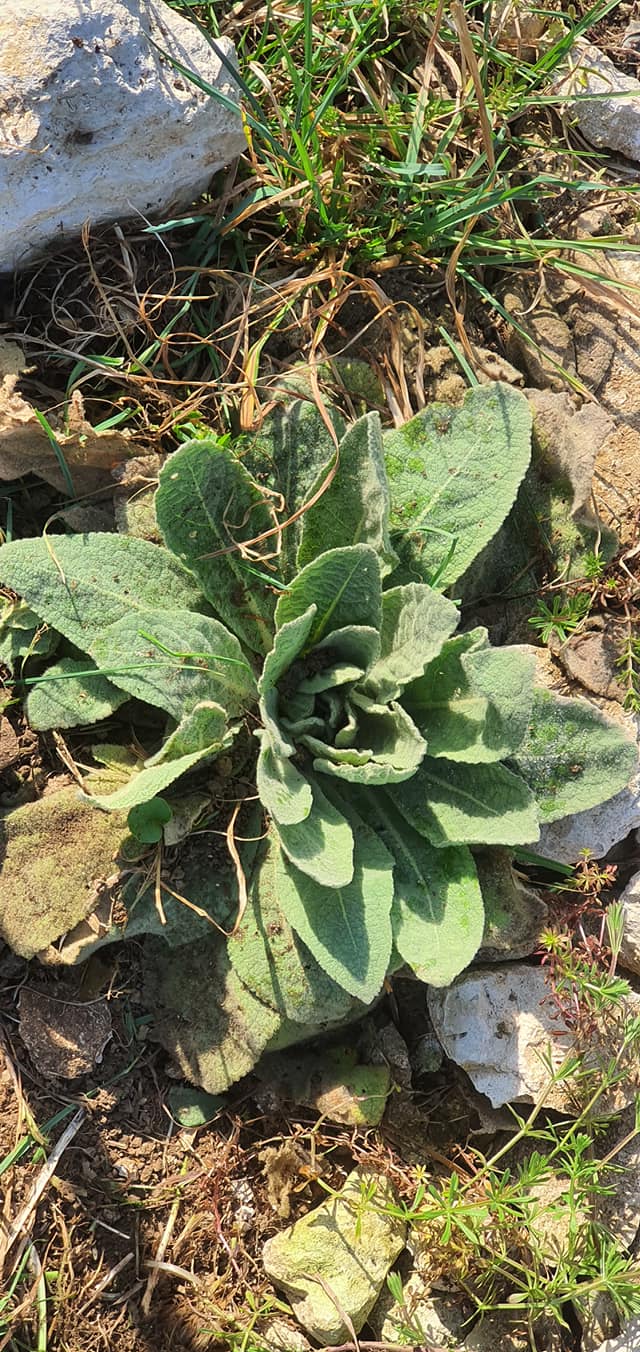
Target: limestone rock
(629, 1340)
(97, 124)
(434, 1319)
(498, 1024)
(630, 948)
(350, 1244)
(612, 119)
(618, 1210)
(492, 1021)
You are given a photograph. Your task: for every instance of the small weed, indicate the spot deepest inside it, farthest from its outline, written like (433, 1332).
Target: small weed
(561, 619)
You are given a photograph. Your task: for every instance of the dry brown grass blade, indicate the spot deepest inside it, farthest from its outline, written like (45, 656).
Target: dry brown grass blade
(466, 47)
(18, 1226)
(240, 873)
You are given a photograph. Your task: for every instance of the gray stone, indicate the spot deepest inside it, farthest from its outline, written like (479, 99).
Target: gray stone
(618, 1210)
(598, 1319)
(430, 1317)
(97, 125)
(630, 947)
(337, 1257)
(611, 120)
(498, 1024)
(629, 1340)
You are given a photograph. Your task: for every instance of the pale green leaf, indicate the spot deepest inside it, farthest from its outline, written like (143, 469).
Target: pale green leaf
(206, 506)
(354, 509)
(416, 621)
(82, 583)
(572, 757)
(23, 634)
(213, 1027)
(287, 454)
(273, 962)
(344, 586)
(200, 736)
(454, 804)
(348, 928)
(473, 702)
(284, 792)
(71, 693)
(454, 473)
(437, 914)
(387, 748)
(288, 643)
(321, 845)
(175, 659)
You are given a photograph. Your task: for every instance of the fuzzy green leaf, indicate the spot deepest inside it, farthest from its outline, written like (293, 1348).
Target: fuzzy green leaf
(205, 503)
(454, 474)
(203, 1014)
(416, 621)
(572, 757)
(354, 509)
(284, 792)
(201, 735)
(178, 659)
(386, 748)
(454, 804)
(344, 586)
(437, 914)
(70, 695)
(287, 454)
(272, 960)
(23, 635)
(473, 702)
(347, 928)
(82, 583)
(321, 845)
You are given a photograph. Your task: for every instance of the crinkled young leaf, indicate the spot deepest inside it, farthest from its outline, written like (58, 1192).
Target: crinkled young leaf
(70, 694)
(284, 792)
(201, 735)
(354, 509)
(454, 804)
(437, 913)
(348, 928)
(454, 474)
(82, 583)
(287, 454)
(572, 757)
(387, 748)
(416, 621)
(273, 962)
(205, 503)
(344, 586)
(321, 845)
(473, 702)
(178, 659)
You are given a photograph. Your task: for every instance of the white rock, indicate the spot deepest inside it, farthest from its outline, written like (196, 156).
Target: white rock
(612, 120)
(630, 948)
(497, 1024)
(492, 1022)
(629, 1340)
(96, 125)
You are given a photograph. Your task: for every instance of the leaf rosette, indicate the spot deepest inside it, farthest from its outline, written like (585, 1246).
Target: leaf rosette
(300, 597)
